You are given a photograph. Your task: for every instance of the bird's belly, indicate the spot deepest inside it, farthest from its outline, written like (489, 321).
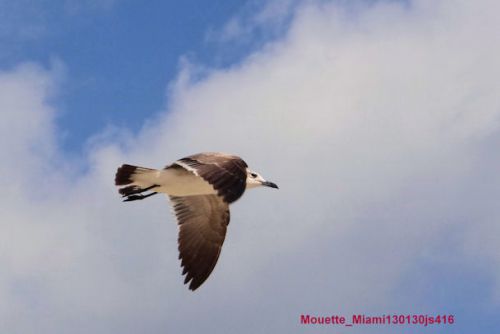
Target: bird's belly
(178, 182)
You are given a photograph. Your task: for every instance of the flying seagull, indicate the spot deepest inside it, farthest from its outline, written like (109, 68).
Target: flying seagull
(200, 187)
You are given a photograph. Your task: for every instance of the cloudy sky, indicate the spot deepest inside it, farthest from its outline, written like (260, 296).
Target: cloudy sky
(380, 121)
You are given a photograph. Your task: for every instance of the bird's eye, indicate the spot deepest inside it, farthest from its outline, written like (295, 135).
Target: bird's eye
(253, 175)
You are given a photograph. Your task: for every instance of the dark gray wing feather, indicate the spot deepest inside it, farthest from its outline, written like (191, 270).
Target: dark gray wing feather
(202, 223)
(226, 173)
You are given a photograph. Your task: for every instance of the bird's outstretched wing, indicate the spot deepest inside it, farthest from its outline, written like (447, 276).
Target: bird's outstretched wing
(203, 221)
(226, 173)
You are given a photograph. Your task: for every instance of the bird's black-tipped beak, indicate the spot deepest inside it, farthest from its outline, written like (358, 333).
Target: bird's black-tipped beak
(270, 184)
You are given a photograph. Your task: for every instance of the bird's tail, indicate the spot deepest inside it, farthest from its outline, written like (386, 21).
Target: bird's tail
(135, 179)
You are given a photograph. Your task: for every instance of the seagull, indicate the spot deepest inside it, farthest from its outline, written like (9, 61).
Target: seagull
(200, 188)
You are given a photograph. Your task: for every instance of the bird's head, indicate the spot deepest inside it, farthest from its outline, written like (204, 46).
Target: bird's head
(255, 180)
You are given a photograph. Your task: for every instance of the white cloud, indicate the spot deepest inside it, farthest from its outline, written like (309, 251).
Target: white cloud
(381, 128)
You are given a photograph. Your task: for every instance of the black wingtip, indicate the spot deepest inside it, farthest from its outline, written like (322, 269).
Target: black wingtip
(193, 286)
(192, 281)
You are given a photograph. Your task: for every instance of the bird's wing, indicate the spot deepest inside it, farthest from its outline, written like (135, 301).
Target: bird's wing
(203, 221)
(226, 173)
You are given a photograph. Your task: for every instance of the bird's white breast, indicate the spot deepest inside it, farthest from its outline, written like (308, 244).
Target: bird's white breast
(179, 182)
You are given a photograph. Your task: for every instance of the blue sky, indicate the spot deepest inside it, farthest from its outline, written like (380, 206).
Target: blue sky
(379, 120)
(118, 56)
